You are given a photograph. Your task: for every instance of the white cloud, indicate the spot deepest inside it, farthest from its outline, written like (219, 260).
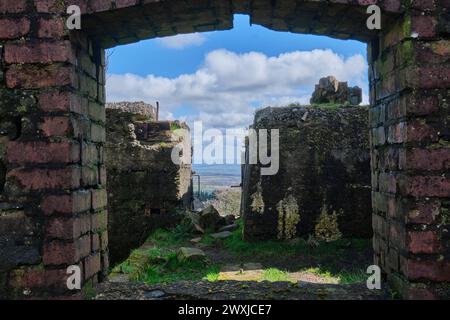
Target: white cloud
(181, 41)
(225, 90)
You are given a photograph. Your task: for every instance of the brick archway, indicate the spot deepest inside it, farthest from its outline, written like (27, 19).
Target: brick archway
(53, 205)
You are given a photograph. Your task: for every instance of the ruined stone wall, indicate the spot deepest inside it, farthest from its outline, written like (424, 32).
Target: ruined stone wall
(324, 163)
(145, 188)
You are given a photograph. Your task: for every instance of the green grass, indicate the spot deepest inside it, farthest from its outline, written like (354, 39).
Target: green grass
(347, 277)
(274, 274)
(212, 275)
(343, 277)
(321, 273)
(173, 270)
(237, 245)
(208, 240)
(157, 263)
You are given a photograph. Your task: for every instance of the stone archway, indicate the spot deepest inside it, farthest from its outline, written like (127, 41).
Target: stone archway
(52, 119)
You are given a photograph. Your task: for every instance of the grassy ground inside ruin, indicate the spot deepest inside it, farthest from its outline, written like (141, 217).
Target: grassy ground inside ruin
(343, 261)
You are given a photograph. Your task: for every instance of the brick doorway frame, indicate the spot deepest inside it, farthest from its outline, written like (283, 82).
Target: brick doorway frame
(52, 114)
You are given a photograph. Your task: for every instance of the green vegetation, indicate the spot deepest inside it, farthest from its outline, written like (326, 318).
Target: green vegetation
(156, 261)
(175, 126)
(157, 265)
(237, 245)
(344, 277)
(331, 106)
(274, 274)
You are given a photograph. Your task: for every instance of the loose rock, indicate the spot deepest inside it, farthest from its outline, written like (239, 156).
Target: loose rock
(190, 254)
(221, 235)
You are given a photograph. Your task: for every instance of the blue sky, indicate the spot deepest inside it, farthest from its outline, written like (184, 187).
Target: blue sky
(230, 73)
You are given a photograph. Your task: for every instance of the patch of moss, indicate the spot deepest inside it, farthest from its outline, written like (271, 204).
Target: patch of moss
(257, 201)
(327, 228)
(288, 218)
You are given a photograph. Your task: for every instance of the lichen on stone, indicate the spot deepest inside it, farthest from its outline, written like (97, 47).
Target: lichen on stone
(288, 218)
(257, 200)
(327, 228)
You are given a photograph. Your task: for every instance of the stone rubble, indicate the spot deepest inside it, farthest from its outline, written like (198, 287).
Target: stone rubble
(330, 90)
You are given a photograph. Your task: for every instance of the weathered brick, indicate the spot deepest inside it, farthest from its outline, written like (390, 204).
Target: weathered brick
(54, 101)
(90, 154)
(424, 26)
(105, 263)
(66, 253)
(99, 5)
(420, 105)
(426, 159)
(78, 201)
(396, 209)
(36, 77)
(99, 221)
(397, 235)
(431, 52)
(427, 270)
(99, 198)
(43, 52)
(98, 133)
(15, 6)
(430, 77)
(104, 240)
(419, 130)
(102, 175)
(391, 158)
(97, 112)
(424, 4)
(89, 176)
(397, 133)
(391, 5)
(423, 242)
(392, 259)
(379, 225)
(63, 228)
(53, 6)
(379, 202)
(56, 126)
(378, 136)
(43, 152)
(53, 279)
(51, 28)
(91, 265)
(95, 242)
(388, 183)
(35, 179)
(126, 3)
(425, 186)
(424, 213)
(13, 28)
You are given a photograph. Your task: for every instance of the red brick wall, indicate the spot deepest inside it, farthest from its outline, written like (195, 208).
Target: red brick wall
(52, 94)
(409, 82)
(52, 127)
